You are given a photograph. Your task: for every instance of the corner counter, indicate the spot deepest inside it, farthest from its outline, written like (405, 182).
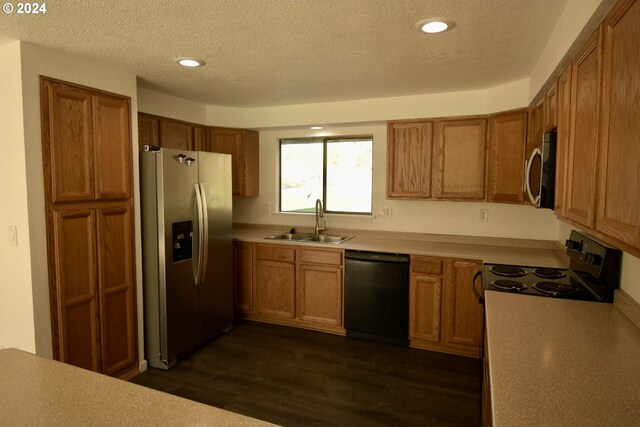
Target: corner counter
(556, 362)
(40, 392)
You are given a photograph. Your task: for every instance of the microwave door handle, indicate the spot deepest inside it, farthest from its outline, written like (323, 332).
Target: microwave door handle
(475, 290)
(535, 200)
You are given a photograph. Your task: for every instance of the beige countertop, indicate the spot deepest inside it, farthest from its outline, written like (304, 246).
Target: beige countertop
(40, 392)
(556, 362)
(489, 250)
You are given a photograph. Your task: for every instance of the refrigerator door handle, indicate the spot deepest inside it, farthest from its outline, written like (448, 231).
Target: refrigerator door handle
(197, 265)
(204, 254)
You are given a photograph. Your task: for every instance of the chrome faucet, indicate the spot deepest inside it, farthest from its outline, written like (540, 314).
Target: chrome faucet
(319, 214)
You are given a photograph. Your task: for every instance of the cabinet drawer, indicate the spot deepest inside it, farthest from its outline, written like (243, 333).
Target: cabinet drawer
(321, 257)
(426, 265)
(275, 253)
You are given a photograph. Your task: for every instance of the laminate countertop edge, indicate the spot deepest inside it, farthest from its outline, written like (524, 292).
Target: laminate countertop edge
(549, 254)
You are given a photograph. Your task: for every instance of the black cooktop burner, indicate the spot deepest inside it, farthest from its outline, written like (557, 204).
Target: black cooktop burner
(508, 270)
(555, 288)
(549, 273)
(509, 285)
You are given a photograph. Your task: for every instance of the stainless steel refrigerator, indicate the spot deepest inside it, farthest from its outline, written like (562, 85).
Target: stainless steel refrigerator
(187, 250)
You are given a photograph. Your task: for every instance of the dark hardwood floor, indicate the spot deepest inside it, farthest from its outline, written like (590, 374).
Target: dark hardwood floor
(295, 377)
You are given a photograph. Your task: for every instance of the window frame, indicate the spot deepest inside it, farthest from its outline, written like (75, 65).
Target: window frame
(324, 140)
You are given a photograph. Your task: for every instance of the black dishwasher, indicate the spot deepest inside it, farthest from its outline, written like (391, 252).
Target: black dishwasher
(376, 296)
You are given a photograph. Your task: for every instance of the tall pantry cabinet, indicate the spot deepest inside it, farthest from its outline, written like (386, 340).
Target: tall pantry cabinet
(86, 145)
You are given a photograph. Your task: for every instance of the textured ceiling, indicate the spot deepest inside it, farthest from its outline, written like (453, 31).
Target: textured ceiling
(275, 52)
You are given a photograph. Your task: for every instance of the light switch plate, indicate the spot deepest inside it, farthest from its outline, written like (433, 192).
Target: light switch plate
(385, 212)
(13, 235)
(484, 215)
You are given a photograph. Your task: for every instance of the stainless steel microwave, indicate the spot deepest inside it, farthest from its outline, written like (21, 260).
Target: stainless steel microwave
(540, 179)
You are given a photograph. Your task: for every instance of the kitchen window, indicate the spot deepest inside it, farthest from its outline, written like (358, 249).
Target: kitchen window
(336, 170)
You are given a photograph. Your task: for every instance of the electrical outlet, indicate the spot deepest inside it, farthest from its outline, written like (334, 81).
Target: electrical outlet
(484, 215)
(385, 212)
(13, 235)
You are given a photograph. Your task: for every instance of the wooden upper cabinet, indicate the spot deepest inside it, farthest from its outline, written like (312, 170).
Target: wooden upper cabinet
(147, 130)
(550, 119)
(409, 146)
(535, 128)
(67, 128)
(243, 145)
(619, 153)
(112, 145)
(201, 138)
(176, 135)
(583, 132)
(117, 288)
(89, 143)
(507, 138)
(562, 140)
(459, 159)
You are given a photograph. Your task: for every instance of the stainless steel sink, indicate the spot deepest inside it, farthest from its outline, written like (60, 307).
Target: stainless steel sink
(311, 238)
(325, 238)
(298, 237)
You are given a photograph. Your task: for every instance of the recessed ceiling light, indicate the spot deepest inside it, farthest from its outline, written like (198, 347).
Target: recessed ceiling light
(315, 127)
(435, 25)
(190, 62)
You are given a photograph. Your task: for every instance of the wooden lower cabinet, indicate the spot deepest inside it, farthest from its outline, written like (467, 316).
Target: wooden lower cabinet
(243, 277)
(320, 287)
(275, 281)
(94, 283)
(444, 313)
(290, 285)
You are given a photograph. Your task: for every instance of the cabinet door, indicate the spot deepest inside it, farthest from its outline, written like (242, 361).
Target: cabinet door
(243, 276)
(78, 328)
(117, 291)
(147, 130)
(459, 159)
(425, 307)
(551, 108)
(320, 294)
(464, 321)
(67, 126)
(583, 134)
(201, 139)
(176, 135)
(507, 138)
(229, 141)
(618, 203)
(562, 141)
(409, 148)
(275, 283)
(112, 147)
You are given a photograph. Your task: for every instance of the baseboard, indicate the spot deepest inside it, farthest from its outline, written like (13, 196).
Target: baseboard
(627, 305)
(142, 366)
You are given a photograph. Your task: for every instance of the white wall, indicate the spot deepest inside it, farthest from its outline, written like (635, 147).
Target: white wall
(38, 61)
(161, 104)
(16, 299)
(578, 15)
(505, 97)
(438, 217)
